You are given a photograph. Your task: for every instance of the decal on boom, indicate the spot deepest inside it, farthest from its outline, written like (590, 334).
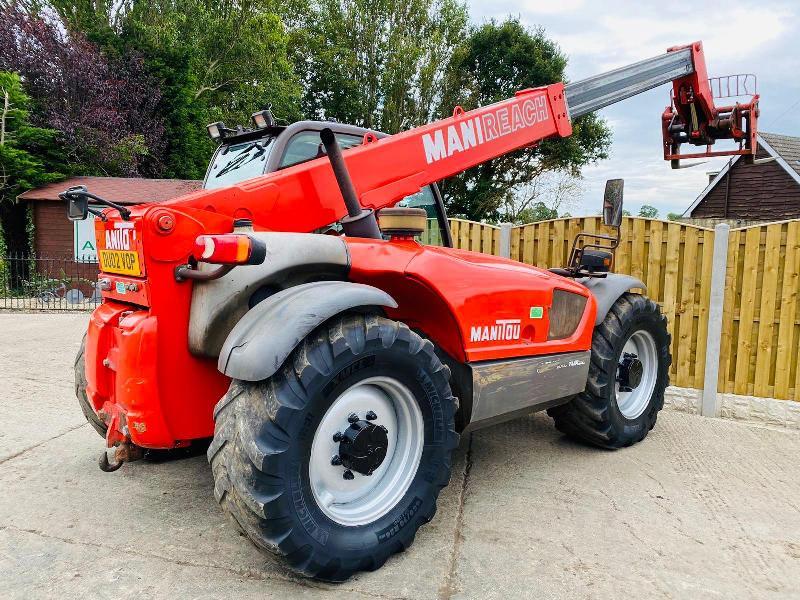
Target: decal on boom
(446, 141)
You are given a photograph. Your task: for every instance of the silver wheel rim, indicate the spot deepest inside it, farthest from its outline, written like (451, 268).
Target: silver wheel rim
(366, 498)
(632, 404)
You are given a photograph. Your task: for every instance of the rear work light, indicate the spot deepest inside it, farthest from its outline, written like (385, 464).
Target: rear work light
(229, 249)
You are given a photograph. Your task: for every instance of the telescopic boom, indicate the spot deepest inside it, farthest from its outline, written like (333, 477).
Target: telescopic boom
(384, 170)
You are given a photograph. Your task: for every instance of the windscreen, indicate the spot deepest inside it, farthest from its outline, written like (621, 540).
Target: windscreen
(238, 162)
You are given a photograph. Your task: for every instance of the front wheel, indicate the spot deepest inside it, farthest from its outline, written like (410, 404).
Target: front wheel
(628, 374)
(338, 459)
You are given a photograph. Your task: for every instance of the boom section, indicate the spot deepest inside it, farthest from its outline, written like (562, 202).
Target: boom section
(693, 116)
(306, 197)
(599, 91)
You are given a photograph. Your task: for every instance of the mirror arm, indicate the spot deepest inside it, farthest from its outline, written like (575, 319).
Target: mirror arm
(97, 213)
(80, 191)
(124, 212)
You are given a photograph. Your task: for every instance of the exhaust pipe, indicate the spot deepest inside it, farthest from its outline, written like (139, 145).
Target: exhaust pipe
(359, 222)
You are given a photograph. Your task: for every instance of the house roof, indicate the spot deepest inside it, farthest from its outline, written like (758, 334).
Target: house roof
(122, 190)
(785, 149)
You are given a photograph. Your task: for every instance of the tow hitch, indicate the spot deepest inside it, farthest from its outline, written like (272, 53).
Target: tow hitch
(125, 452)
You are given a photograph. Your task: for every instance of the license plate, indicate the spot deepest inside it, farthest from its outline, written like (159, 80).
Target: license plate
(120, 261)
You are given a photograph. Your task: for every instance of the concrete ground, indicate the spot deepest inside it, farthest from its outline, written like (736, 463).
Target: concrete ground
(703, 508)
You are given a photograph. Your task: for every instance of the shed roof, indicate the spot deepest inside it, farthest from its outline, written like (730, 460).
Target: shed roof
(786, 146)
(122, 190)
(785, 149)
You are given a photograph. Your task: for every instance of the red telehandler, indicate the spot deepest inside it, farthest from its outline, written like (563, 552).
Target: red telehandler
(288, 311)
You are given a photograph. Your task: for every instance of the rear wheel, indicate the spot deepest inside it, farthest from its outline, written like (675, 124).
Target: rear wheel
(627, 377)
(338, 459)
(80, 392)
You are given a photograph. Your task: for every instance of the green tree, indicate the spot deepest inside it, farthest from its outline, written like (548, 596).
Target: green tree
(648, 212)
(375, 63)
(28, 158)
(103, 106)
(543, 198)
(215, 60)
(494, 62)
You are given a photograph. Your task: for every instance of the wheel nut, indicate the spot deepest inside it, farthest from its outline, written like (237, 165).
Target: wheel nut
(348, 475)
(336, 461)
(337, 437)
(353, 418)
(371, 416)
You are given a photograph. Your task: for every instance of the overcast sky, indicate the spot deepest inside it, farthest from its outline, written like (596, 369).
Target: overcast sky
(761, 38)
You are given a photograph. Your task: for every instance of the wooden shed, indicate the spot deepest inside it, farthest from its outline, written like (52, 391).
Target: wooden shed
(54, 235)
(766, 189)
(65, 252)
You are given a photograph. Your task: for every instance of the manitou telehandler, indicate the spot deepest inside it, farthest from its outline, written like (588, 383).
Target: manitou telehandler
(288, 311)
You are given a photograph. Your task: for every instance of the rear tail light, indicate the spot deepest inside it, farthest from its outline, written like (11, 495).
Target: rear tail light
(229, 249)
(565, 314)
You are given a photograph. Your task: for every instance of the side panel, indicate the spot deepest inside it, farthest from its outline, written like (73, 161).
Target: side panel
(476, 307)
(502, 388)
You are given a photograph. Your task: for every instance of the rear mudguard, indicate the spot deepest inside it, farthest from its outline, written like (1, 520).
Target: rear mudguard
(266, 335)
(608, 289)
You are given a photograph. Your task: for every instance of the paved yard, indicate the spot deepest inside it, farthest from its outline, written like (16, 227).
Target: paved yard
(704, 508)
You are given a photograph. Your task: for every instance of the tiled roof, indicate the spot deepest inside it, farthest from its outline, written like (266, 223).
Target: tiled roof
(122, 190)
(787, 146)
(784, 148)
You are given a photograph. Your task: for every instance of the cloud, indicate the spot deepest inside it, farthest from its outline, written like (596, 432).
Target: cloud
(620, 39)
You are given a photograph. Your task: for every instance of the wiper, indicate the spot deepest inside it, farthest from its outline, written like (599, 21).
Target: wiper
(241, 159)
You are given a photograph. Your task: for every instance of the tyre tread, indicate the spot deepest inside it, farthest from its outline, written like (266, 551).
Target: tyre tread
(244, 456)
(587, 416)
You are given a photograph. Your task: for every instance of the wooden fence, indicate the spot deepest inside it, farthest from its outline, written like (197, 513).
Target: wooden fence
(478, 237)
(760, 342)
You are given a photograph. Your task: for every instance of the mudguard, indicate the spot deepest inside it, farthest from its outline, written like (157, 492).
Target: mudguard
(608, 289)
(265, 336)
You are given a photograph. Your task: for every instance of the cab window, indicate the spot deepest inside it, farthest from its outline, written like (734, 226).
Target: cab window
(307, 145)
(235, 163)
(424, 199)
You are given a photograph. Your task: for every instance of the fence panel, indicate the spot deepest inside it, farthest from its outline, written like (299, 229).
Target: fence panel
(478, 237)
(47, 283)
(761, 320)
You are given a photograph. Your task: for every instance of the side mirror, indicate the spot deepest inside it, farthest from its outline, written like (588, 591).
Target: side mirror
(612, 203)
(77, 203)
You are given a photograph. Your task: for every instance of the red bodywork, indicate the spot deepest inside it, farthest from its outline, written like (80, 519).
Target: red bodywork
(153, 392)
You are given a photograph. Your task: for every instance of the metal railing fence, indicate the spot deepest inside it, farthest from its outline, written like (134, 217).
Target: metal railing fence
(47, 283)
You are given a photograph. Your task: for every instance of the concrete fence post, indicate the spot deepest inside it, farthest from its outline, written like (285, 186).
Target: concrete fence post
(719, 266)
(505, 240)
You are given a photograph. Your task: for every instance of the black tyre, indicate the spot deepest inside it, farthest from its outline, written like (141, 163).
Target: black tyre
(276, 456)
(80, 392)
(628, 373)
